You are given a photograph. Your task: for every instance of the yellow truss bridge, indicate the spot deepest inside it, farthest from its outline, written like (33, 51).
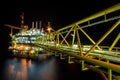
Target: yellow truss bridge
(103, 59)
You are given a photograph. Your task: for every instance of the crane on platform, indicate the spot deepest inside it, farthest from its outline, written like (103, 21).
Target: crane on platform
(25, 28)
(22, 27)
(12, 27)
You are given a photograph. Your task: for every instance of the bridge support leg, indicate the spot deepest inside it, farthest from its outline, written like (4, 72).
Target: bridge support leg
(69, 60)
(83, 65)
(56, 54)
(61, 56)
(109, 74)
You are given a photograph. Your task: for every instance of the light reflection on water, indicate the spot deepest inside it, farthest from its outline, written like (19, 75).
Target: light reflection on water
(45, 68)
(27, 69)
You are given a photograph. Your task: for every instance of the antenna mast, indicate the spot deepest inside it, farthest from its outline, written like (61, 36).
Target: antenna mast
(22, 20)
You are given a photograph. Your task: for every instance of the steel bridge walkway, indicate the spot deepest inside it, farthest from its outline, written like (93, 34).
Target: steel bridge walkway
(92, 56)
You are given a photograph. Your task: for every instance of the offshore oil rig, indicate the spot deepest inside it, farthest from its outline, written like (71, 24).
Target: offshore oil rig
(22, 43)
(103, 59)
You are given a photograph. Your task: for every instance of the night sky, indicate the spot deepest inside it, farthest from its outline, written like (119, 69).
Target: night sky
(59, 12)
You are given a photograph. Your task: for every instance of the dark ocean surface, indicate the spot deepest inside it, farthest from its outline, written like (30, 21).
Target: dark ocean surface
(44, 68)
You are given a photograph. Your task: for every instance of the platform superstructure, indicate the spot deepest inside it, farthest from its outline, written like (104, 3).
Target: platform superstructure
(22, 43)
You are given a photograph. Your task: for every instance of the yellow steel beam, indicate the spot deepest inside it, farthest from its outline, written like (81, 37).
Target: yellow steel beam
(104, 36)
(64, 40)
(73, 36)
(115, 41)
(98, 14)
(109, 74)
(83, 65)
(79, 43)
(88, 37)
(69, 60)
(67, 34)
(113, 67)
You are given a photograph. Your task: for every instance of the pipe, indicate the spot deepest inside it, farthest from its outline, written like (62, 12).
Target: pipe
(113, 67)
(32, 25)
